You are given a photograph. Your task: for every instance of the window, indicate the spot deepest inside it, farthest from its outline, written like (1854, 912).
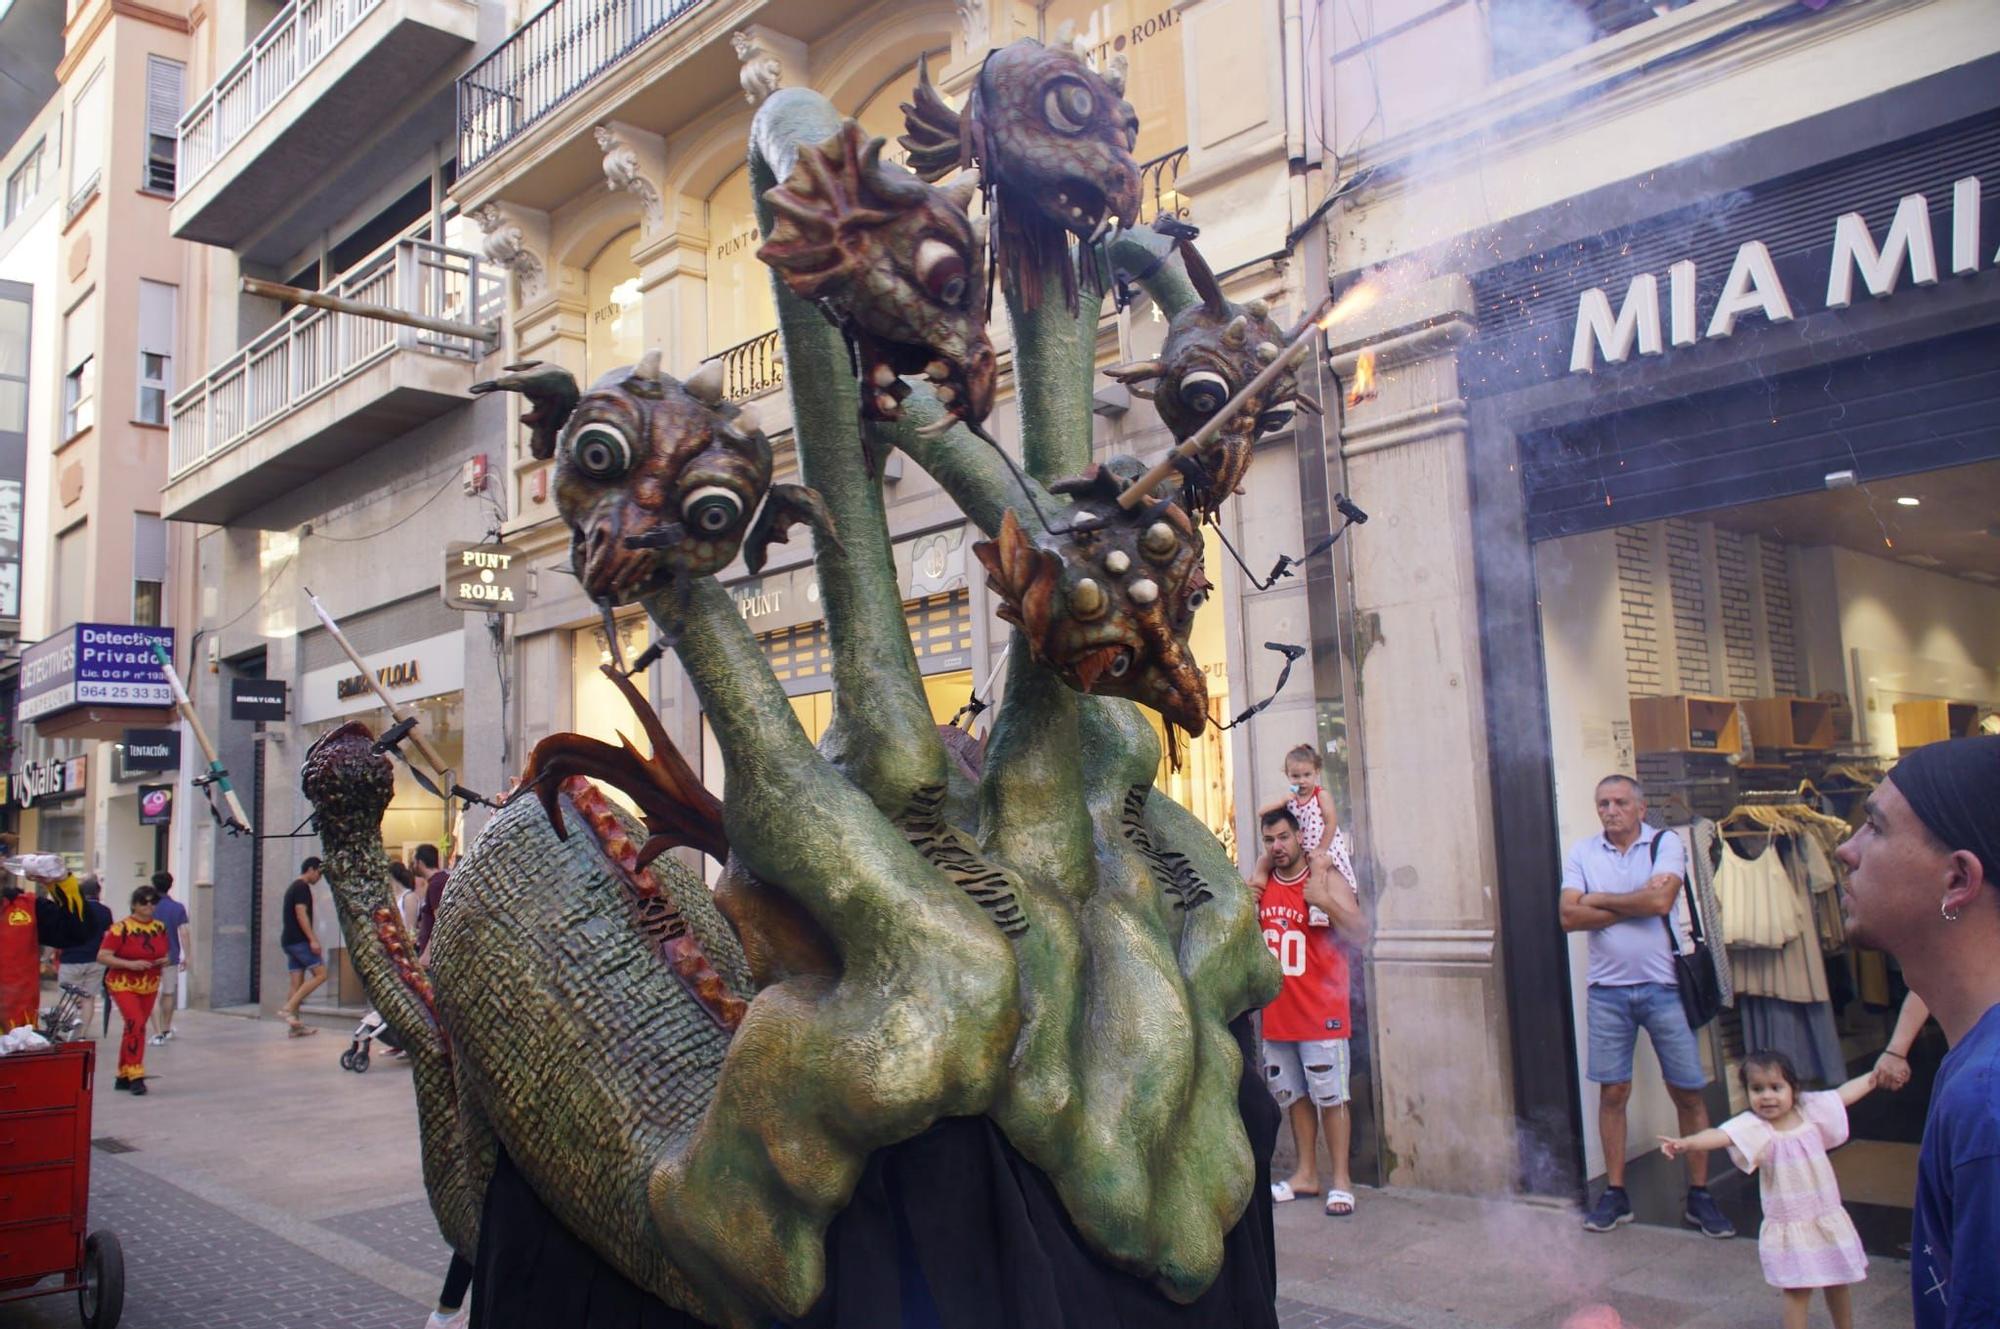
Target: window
(80, 368)
(14, 328)
(86, 144)
(23, 183)
(156, 350)
(149, 568)
(616, 332)
(163, 116)
(72, 588)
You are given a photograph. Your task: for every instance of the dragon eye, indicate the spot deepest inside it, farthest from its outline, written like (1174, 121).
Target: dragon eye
(1270, 422)
(601, 452)
(1068, 105)
(1204, 392)
(1197, 600)
(941, 269)
(1121, 664)
(711, 510)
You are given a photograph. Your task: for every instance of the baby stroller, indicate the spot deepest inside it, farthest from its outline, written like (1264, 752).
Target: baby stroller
(372, 1028)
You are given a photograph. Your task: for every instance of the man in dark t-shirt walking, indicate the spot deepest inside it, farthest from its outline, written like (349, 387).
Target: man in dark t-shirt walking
(301, 946)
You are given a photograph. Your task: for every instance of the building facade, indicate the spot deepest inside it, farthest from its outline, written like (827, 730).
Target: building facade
(324, 453)
(88, 186)
(1665, 315)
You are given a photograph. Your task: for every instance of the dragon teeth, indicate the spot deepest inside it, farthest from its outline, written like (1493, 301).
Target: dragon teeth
(945, 394)
(937, 370)
(884, 376)
(885, 404)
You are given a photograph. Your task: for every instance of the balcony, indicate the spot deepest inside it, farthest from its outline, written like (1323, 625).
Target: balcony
(553, 54)
(752, 368)
(1159, 188)
(324, 78)
(321, 388)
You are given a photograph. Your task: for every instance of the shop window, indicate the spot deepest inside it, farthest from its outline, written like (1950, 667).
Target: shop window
(163, 114)
(740, 304)
(156, 350)
(617, 324)
(1202, 783)
(1148, 34)
(24, 182)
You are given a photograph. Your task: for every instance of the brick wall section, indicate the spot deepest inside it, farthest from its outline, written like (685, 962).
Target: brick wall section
(1690, 609)
(1777, 574)
(1739, 638)
(1638, 608)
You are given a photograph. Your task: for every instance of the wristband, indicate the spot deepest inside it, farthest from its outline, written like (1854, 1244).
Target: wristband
(1891, 1052)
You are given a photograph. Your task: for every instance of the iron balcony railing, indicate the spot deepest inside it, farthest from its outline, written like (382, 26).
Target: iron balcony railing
(311, 350)
(282, 54)
(1159, 195)
(753, 366)
(559, 50)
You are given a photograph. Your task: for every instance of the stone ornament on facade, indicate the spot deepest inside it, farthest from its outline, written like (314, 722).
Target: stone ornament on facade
(622, 174)
(762, 73)
(504, 243)
(972, 22)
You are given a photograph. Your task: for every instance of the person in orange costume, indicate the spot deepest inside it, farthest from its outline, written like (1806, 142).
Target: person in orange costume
(29, 922)
(135, 950)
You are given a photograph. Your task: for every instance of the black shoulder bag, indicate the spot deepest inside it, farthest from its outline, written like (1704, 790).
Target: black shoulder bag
(1694, 973)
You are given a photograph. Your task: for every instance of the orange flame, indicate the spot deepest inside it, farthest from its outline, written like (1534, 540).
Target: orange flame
(1362, 388)
(1358, 299)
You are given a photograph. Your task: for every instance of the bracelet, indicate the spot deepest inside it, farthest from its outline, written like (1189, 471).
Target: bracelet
(1891, 1052)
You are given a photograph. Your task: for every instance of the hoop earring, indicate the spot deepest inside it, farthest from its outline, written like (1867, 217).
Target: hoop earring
(1944, 912)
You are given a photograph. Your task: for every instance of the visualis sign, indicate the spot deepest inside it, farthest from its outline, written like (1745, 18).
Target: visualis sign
(1754, 287)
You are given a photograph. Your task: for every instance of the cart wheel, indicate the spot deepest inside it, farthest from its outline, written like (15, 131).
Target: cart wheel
(347, 1060)
(101, 1299)
(360, 1062)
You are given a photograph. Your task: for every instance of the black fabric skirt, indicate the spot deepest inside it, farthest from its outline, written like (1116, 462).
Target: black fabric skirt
(950, 1230)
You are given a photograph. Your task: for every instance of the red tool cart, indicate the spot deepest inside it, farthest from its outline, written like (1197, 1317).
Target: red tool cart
(45, 1185)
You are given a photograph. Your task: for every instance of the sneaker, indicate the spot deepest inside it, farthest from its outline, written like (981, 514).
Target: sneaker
(458, 1319)
(158, 1040)
(1612, 1210)
(1704, 1213)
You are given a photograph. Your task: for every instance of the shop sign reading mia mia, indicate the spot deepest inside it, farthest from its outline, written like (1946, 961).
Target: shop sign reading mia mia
(1754, 287)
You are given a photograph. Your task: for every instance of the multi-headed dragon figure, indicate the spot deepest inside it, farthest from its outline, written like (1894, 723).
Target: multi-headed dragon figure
(693, 1084)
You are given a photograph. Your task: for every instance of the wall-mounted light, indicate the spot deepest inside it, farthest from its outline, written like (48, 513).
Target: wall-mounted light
(1909, 501)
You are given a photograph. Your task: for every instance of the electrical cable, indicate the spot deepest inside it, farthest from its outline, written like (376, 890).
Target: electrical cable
(449, 481)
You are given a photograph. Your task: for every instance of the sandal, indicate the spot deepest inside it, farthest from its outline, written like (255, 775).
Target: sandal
(1339, 1204)
(301, 1030)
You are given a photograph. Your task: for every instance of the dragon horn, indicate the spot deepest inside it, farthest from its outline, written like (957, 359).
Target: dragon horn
(963, 190)
(705, 384)
(1237, 332)
(1202, 277)
(648, 367)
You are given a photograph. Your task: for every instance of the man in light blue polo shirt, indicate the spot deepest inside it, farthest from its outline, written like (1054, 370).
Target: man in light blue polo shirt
(1618, 887)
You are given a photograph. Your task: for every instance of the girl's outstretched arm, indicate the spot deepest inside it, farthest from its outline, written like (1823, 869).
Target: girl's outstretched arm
(1858, 1088)
(1699, 1142)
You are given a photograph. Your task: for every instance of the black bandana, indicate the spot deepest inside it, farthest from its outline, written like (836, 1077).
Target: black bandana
(1954, 788)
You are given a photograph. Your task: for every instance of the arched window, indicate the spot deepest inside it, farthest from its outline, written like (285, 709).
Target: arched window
(617, 332)
(740, 305)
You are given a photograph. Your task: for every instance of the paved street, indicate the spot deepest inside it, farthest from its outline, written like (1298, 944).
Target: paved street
(260, 1185)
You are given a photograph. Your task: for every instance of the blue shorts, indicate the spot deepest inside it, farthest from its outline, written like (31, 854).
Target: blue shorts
(300, 957)
(1616, 1014)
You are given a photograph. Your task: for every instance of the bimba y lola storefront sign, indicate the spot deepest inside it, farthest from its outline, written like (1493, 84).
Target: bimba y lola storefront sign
(1759, 286)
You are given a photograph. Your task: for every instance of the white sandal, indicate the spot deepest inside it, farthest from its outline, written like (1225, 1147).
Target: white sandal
(1340, 1197)
(1281, 1192)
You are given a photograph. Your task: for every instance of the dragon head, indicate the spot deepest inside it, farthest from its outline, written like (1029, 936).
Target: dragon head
(346, 777)
(1109, 604)
(895, 263)
(1053, 139)
(1213, 349)
(659, 480)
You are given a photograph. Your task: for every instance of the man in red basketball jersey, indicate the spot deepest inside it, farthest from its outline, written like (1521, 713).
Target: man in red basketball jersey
(1308, 909)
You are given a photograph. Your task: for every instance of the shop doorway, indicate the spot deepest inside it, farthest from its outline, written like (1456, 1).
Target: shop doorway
(1759, 668)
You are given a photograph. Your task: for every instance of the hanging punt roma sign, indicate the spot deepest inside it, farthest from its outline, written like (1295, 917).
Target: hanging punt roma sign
(486, 577)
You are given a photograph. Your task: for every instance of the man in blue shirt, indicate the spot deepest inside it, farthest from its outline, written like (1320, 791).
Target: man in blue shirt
(78, 964)
(1924, 884)
(174, 981)
(1620, 887)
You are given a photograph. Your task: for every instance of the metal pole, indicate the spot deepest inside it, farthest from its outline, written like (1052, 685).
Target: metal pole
(362, 309)
(430, 754)
(217, 774)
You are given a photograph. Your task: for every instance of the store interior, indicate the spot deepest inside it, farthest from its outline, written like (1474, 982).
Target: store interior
(1760, 668)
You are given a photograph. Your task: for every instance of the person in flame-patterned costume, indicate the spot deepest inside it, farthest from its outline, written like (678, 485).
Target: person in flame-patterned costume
(134, 952)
